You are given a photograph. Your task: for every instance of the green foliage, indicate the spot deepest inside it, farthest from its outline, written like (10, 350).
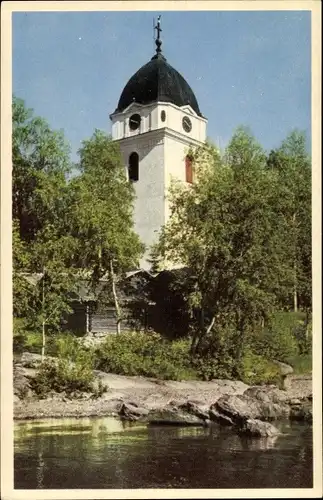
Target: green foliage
(301, 363)
(145, 354)
(40, 163)
(41, 247)
(71, 373)
(209, 367)
(256, 370)
(22, 290)
(278, 341)
(242, 231)
(225, 230)
(149, 355)
(61, 377)
(28, 341)
(292, 164)
(101, 208)
(101, 215)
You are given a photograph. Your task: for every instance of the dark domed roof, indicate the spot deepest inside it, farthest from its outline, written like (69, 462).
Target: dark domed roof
(157, 81)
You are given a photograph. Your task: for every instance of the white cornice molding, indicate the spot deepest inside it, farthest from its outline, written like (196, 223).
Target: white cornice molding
(135, 105)
(184, 138)
(160, 133)
(157, 133)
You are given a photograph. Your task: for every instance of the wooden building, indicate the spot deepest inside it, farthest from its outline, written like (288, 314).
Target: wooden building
(93, 312)
(148, 301)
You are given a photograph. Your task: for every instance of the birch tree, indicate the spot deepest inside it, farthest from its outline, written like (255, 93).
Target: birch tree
(224, 229)
(292, 163)
(41, 245)
(101, 215)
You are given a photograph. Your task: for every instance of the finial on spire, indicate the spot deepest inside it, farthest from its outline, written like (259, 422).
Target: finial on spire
(158, 41)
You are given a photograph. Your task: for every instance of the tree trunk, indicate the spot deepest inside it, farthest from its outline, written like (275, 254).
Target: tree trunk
(307, 321)
(204, 333)
(100, 258)
(43, 343)
(240, 342)
(43, 320)
(209, 328)
(87, 319)
(295, 297)
(115, 298)
(295, 269)
(202, 319)
(193, 344)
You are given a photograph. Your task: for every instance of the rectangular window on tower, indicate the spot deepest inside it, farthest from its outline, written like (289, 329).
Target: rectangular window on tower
(189, 169)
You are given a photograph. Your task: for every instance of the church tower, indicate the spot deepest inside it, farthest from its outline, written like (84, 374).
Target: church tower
(156, 122)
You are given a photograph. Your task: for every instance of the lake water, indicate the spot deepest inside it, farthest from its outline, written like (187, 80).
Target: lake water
(105, 453)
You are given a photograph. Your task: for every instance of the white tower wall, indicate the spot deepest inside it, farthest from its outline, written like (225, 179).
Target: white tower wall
(162, 147)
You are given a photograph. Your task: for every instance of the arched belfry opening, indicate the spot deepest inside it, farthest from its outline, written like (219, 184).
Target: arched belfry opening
(133, 167)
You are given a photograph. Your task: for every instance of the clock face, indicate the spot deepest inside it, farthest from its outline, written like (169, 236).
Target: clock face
(134, 121)
(187, 124)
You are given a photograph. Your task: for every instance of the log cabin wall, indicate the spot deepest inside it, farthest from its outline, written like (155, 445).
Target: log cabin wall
(76, 320)
(105, 321)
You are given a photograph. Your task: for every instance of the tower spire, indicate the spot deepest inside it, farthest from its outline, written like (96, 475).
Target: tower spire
(158, 41)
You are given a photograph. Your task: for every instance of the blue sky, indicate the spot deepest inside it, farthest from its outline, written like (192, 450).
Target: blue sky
(246, 68)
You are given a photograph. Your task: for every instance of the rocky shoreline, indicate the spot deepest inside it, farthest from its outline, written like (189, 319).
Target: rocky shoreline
(251, 410)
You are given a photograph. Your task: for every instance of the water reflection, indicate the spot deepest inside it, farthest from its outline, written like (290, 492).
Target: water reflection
(107, 453)
(258, 444)
(40, 470)
(69, 425)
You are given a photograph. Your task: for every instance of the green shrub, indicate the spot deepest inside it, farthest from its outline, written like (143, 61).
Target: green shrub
(145, 354)
(27, 341)
(210, 367)
(24, 339)
(278, 341)
(301, 363)
(257, 370)
(60, 376)
(303, 336)
(71, 372)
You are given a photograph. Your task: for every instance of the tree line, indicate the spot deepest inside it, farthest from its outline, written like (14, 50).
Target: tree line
(66, 227)
(241, 232)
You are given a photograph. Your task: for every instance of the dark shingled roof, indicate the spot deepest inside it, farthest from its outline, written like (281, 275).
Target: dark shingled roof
(157, 81)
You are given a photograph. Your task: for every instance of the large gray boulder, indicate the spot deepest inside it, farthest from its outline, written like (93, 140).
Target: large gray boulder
(282, 403)
(21, 383)
(244, 407)
(237, 408)
(218, 417)
(174, 415)
(30, 360)
(267, 394)
(131, 411)
(192, 408)
(301, 409)
(33, 360)
(283, 368)
(258, 428)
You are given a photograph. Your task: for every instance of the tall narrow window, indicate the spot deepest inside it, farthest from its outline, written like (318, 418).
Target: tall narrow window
(133, 167)
(189, 169)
